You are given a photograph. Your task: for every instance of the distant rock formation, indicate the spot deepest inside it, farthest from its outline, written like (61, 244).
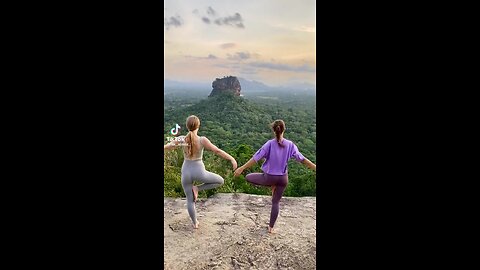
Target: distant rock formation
(226, 84)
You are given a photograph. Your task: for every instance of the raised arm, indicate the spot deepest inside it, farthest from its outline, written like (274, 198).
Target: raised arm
(219, 152)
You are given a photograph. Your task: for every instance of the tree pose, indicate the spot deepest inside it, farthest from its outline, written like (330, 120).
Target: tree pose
(276, 152)
(193, 168)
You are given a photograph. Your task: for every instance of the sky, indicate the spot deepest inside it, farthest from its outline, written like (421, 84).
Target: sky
(271, 41)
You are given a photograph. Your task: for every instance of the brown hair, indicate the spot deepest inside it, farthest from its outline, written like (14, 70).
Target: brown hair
(278, 127)
(193, 123)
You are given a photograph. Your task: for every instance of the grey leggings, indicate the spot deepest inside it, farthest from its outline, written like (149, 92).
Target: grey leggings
(194, 170)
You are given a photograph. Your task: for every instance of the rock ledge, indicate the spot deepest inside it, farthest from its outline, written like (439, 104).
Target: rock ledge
(233, 233)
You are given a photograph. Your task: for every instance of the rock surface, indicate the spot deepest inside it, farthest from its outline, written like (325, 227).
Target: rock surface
(233, 233)
(226, 84)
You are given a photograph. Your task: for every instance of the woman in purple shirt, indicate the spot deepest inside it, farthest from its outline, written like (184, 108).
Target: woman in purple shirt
(276, 152)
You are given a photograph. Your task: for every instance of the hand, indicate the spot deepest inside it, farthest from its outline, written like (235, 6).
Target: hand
(238, 171)
(234, 163)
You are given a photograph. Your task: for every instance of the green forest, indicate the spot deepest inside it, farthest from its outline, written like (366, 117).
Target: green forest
(240, 126)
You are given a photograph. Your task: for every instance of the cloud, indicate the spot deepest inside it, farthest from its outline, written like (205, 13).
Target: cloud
(275, 66)
(210, 11)
(172, 21)
(239, 56)
(227, 45)
(243, 55)
(209, 57)
(235, 20)
(212, 15)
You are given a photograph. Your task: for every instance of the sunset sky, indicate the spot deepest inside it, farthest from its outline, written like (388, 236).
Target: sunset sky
(269, 41)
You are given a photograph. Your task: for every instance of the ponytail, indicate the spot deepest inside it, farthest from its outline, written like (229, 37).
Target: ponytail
(192, 124)
(278, 127)
(190, 144)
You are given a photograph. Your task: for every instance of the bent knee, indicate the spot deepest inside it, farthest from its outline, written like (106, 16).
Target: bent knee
(215, 179)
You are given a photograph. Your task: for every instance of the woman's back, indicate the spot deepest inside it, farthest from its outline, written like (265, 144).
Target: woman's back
(197, 149)
(277, 156)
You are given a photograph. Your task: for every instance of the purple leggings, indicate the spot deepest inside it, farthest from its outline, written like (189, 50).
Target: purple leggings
(279, 181)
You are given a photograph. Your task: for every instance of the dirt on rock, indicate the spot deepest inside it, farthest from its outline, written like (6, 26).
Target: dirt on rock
(233, 233)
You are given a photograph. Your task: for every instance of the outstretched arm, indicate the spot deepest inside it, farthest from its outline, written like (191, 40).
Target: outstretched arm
(210, 146)
(309, 164)
(245, 166)
(169, 146)
(300, 158)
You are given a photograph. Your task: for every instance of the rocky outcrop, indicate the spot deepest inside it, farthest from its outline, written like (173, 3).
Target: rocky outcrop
(228, 84)
(233, 233)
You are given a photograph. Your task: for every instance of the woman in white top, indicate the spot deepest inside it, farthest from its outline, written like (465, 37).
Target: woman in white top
(193, 168)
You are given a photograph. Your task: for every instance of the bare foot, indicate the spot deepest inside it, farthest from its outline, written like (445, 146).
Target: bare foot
(270, 230)
(196, 225)
(195, 193)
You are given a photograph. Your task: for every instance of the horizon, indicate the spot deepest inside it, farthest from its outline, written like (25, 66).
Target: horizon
(272, 42)
(240, 78)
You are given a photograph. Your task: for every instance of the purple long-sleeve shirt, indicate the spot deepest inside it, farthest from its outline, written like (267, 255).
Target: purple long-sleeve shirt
(276, 157)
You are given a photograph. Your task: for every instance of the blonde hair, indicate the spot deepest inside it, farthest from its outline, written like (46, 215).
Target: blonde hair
(193, 122)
